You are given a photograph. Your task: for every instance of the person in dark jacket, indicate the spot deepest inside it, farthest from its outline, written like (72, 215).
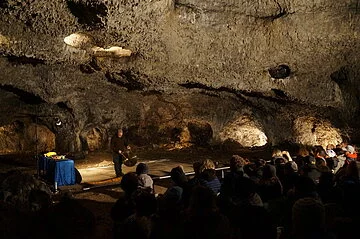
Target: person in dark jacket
(179, 178)
(208, 176)
(125, 205)
(119, 145)
(270, 186)
(291, 175)
(310, 170)
(228, 187)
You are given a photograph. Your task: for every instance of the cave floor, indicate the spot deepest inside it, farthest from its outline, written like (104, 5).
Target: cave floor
(97, 170)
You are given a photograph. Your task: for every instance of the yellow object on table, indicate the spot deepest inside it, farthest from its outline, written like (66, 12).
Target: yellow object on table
(50, 154)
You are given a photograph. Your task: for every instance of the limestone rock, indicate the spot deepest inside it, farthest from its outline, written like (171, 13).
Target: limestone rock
(180, 61)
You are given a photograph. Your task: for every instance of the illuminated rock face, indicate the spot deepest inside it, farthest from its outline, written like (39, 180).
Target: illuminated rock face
(245, 132)
(155, 66)
(312, 131)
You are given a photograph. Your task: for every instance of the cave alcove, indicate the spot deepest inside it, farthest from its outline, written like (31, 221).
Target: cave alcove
(93, 139)
(244, 131)
(201, 133)
(26, 138)
(314, 131)
(280, 72)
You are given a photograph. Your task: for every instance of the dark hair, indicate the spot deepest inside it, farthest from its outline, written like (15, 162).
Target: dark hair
(142, 168)
(196, 167)
(145, 202)
(236, 162)
(129, 182)
(178, 176)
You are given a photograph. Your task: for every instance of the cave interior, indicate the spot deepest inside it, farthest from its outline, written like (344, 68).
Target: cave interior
(177, 73)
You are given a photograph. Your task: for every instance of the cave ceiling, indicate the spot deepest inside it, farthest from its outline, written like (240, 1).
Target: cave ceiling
(138, 63)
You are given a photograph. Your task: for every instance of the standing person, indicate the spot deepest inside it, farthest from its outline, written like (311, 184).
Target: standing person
(119, 145)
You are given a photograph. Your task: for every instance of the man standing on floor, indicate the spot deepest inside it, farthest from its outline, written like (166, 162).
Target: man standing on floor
(119, 145)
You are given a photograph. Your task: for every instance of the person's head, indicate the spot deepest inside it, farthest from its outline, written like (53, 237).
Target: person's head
(311, 161)
(269, 171)
(178, 176)
(339, 152)
(120, 133)
(129, 182)
(343, 144)
(196, 167)
(142, 168)
(321, 153)
(277, 153)
(260, 163)
(291, 167)
(330, 153)
(280, 161)
(207, 164)
(350, 149)
(308, 217)
(303, 152)
(236, 163)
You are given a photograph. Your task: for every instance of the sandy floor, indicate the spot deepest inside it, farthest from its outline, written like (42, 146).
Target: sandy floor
(97, 168)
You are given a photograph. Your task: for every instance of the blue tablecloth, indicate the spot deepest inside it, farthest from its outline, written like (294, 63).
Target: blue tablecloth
(60, 171)
(44, 164)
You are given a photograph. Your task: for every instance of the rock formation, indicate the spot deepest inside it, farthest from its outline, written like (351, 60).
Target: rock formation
(240, 71)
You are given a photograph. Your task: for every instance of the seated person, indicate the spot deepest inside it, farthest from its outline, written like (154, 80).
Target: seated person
(145, 181)
(208, 176)
(351, 153)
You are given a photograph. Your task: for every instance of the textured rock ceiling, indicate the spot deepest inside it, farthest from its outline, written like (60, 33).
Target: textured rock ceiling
(247, 71)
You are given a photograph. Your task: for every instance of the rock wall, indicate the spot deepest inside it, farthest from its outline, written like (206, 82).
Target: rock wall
(204, 63)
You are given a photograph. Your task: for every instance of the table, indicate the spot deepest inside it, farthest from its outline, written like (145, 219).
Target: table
(61, 171)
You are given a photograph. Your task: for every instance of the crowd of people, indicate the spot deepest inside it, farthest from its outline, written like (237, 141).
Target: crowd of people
(312, 194)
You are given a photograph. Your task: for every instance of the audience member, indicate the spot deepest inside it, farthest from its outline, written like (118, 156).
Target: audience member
(125, 205)
(308, 219)
(208, 176)
(270, 186)
(202, 219)
(145, 181)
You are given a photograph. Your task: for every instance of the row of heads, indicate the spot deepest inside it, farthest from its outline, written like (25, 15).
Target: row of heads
(199, 166)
